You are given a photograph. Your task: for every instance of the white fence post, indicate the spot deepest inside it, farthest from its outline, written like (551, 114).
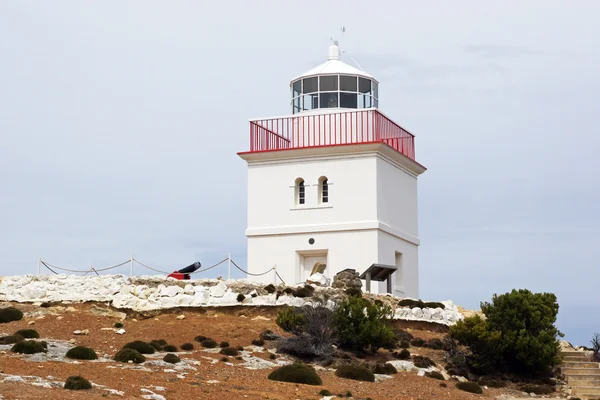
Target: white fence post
(229, 267)
(39, 265)
(131, 272)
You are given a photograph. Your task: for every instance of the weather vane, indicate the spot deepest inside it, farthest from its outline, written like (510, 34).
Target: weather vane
(337, 42)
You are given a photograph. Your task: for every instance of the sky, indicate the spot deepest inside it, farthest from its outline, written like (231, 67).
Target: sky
(120, 124)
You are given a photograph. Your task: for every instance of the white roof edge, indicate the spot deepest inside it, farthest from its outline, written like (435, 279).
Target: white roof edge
(316, 112)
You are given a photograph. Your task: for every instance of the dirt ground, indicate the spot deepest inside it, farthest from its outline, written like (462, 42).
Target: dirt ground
(207, 378)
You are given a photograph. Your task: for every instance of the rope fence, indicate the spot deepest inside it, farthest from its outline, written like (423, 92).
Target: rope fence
(53, 268)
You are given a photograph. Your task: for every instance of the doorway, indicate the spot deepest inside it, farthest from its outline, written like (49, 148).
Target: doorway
(312, 262)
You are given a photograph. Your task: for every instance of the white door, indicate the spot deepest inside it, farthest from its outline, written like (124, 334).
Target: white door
(308, 263)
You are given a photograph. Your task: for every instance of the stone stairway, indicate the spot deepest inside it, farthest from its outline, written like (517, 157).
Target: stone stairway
(582, 375)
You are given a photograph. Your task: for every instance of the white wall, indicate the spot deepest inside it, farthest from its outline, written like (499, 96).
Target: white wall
(406, 282)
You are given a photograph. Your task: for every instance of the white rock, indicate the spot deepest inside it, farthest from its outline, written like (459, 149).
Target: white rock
(317, 279)
(218, 290)
(171, 291)
(181, 316)
(120, 331)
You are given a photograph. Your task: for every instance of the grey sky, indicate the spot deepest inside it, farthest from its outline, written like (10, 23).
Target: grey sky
(120, 122)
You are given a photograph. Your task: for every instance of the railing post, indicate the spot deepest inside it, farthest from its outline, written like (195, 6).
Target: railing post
(39, 265)
(229, 267)
(131, 270)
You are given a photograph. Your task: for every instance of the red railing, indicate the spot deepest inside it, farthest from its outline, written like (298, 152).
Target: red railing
(335, 128)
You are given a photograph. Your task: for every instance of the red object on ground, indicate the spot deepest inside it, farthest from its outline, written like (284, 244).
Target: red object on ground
(179, 275)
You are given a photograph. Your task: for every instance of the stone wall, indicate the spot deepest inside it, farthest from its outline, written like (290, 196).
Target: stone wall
(145, 293)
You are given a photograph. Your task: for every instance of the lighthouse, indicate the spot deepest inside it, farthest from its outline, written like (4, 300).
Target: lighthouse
(333, 186)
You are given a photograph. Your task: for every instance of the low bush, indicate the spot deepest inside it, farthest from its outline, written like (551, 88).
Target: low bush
(402, 354)
(418, 342)
(258, 342)
(224, 344)
(353, 292)
(209, 343)
(170, 348)
(325, 392)
(288, 290)
(126, 355)
(187, 347)
(46, 304)
(491, 382)
(240, 297)
(435, 375)
(269, 335)
(355, 372)
(305, 291)
(12, 339)
(77, 383)
(404, 344)
(239, 358)
(435, 344)
(28, 333)
(171, 358)
(272, 356)
(140, 346)
(229, 351)
(28, 347)
(81, 353)
(224, 359)
(470, 387)
(270, 288)
(420, 304)
(296, 373)
(200, 338)
(385, 369)
(403, 335)
(10, 314)
(118, 325)
(157, 346)
(423, 362)
(240, 348)
(362, 325)
(290, 320)
(537, 389)
(314, 338)
(444, 385)
(596, 347)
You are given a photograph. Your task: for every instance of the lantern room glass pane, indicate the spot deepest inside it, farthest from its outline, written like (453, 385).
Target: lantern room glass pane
(348, 83)
(328, 83)
(297, 105)
(375, 90)
(297, 88)
(364, 101)
(348, 100)
(364, 85)
(329, 100)
(310, 85)
(310, 101)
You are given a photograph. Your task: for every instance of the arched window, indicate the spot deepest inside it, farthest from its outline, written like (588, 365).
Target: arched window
(323, 190)
(300, 191)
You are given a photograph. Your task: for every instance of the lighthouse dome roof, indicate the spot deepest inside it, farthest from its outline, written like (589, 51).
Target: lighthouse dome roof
(334, 66)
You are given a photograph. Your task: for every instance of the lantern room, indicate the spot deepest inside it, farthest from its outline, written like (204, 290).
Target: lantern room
(333, 84)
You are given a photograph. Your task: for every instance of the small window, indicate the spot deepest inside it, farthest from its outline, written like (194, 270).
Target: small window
(296, 88)
(328, 83)
(297, 104)
(300, 191)
(323, 190)
(329, 100)
(348, 100)
(310, 85)
(364, 85)
(310, 101)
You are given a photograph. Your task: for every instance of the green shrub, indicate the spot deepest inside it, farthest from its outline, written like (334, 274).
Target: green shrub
(537, 389)
(240, 297)
(187, 346)
(403, 335)
(384, 368)
(596, 347)
(288, 290)
(362, 325)
(404, 344)
(10, 314)
(229, 351)
(269, 335)
(325, 392)
(240, 348)
(423, 362)
(353, 292)
(224, 359)
(518, 334)
(348, 393)
(200, 338)
(126, 355)
(435, 375)
(272, 356)
(12, 339)
(81, 353)
(171, 358)
(28, 347)
(209, 343)
(491, 382)
(28, 333)
(140, 346)
(224, 344)
(355, 372)
(239, 358)
(296, 373)
(258, 342)
(402, 354)
(157, 346)
(46, 304)
(420, 304)
(170, 348)
(118, 325)
(444, 385)
(77, 383)
(470, 387)
(435, 344)
(418, 342)
(270, 288)
(290, 320)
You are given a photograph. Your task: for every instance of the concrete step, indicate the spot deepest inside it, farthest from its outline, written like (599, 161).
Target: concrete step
(593, 392)
(583, 380)
(581, 371)
(580, 364)
(582, 357)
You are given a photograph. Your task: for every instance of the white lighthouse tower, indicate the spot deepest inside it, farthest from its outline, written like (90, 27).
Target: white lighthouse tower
(333, 186)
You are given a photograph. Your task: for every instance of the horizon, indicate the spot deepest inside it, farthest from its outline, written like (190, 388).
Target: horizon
(121, 124)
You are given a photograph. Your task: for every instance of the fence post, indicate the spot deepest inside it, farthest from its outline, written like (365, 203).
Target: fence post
(131, 272)
(39, 265)
(229, 267)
